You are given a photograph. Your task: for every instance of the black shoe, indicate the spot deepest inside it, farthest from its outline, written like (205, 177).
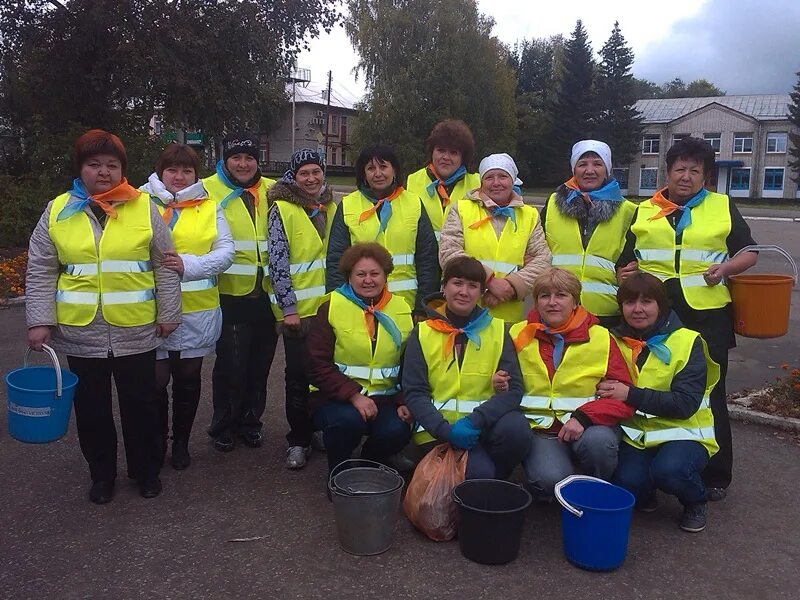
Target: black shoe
(101, 492)
(224, 442)
(694, 518)
(150, 487)
(180, 455)
(715, 494)
(649, 504)
(252, 439)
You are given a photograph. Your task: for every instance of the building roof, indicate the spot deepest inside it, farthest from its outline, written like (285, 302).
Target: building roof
(763, 107)
(316, 93)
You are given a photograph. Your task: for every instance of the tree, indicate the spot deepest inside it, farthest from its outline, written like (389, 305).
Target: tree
(794, 136)
(644, 89)
(699, 88)
(619, 124)
(421, 70)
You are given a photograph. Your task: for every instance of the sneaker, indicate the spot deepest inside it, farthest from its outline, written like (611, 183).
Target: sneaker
(715, 494)
(297, 457)
(224, 442)
(649, 504)
(318, 441)
(252, 439)
(694, 518)
(150, 487)
(180, 455)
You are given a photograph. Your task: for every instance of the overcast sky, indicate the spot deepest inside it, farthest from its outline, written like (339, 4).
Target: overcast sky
(743, 46)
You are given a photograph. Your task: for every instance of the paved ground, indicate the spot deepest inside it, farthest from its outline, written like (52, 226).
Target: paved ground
(55, 544)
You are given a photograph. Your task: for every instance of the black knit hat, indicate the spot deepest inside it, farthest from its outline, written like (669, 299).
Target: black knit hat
(242, 142)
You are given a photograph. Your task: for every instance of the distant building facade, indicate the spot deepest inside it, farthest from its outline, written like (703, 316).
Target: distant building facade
(749, 134)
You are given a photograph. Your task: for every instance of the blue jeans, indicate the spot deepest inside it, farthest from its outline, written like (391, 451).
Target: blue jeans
(673, 467)
(342, 429)
(500, 448)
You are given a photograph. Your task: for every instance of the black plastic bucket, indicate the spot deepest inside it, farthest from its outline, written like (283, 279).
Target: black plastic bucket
(491, 514)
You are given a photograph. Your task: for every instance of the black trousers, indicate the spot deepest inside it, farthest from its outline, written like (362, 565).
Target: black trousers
(239, 381)
(134, 377)
(185, 375)
(300, 422)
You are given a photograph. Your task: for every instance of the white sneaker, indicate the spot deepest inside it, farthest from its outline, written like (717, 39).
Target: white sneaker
(297, 457)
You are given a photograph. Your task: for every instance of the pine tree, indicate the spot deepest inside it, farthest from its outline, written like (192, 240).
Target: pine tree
(794, 136)
(619, 124)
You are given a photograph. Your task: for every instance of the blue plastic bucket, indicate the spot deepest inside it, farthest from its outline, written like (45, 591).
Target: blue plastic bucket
(595, 522)
(40, 401)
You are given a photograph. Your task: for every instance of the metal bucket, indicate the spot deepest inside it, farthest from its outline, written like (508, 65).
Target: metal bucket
(366, 501)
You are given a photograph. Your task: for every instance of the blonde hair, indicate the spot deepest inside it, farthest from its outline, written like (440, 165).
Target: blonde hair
(555, 279)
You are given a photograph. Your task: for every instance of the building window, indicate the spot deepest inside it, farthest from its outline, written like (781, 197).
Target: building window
(742, 143)
(648, 179)
(715, 139)
(776, 143)
(676, 137)
(621, 175)
(334, 125)
(335, 155)
(740, 179)
(651, 144)
(263, 155)
(773, 179)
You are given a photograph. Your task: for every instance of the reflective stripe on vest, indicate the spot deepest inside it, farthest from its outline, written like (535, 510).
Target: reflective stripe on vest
(300, 295)
(561, 260)
(372, 373)
(198, 285)
(399, 238)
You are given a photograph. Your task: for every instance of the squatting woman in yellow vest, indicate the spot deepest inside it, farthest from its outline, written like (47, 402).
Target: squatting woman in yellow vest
(246, 346)
(445, 179)
(585, 222)
(670, 437)
(97, 285)
(563, 354)
(354, 348)
(382, 211)
(299, 223)
(686, 236)
(494, 225)
(447, 377)
(203, 250)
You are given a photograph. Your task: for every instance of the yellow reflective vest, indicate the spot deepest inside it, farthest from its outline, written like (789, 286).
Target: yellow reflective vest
(594, 265)
(457, 390)
(307, 257)
(399, 238)
(574, 381)
(374, 367)
(116, 274)
(503, 255)
(195, 231)
(418, 183)
(703, 243)
(249, 238)
(643, 430)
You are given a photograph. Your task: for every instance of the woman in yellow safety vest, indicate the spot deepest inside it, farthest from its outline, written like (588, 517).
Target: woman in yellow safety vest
(445, 179)
(382, 211)
(354, 348)
(97, 284)
(246, 346)
(299, 225)
(585, 221)
(494, 225)
(447, 377)
(687, 237)
(670, 437)
(203, 250)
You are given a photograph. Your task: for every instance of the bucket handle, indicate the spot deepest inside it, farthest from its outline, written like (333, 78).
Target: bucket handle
(56, 365)
(566, 481)
(772, 248)
(339, 468)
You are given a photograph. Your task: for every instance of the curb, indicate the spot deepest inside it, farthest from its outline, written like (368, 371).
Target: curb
(780, 219)
(739, 410)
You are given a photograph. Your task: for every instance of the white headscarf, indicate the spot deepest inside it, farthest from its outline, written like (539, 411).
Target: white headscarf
(600, 148)
(500, 161)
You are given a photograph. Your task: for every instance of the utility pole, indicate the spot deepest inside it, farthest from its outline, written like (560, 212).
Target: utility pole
(301, 76)
(328, 114)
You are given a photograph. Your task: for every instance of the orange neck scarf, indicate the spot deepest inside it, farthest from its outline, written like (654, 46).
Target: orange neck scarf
(375, 207)
(440, 188)
(124, 192)
(369, 313)
(169, 209)
(572, 184)
(666, 205)
(526, 335)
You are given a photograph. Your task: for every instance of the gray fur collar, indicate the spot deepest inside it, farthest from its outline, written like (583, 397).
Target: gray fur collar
(599, 212)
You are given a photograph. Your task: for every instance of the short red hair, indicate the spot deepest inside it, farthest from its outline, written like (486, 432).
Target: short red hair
(97, 141)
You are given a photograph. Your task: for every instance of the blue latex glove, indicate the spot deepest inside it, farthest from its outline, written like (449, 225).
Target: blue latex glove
(463, 434)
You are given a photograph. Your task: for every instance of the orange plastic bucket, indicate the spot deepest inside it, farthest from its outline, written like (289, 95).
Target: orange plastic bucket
(761, 304)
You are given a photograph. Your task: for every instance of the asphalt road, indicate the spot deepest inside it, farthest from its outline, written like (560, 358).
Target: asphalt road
(55, 544)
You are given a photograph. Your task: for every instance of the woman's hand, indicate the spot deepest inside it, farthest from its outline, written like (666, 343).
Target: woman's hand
(714, 274)
(571, 431)
(164, 329)
(500, 381)
(37, 336)
(292, 321)
(173, 261)
(624, 272)
(365, 406)
(490, 300)
(405, 414)
(613, 389)
(501, 289)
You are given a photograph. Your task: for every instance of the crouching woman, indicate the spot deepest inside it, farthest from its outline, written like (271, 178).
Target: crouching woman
(447, 377)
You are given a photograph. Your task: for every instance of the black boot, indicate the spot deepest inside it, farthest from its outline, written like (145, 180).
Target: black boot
(180, 455)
